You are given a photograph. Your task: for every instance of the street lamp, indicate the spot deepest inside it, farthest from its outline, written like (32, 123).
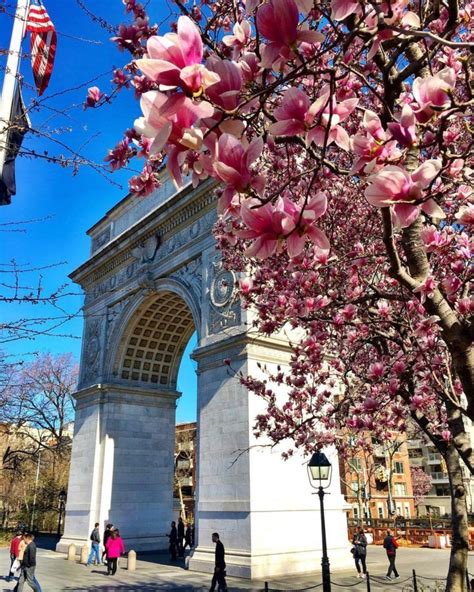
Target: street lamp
(61, 503)
(319, 471)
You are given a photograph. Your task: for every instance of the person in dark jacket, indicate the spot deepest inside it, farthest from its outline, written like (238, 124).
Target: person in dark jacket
(188, 537)
(181, 528)
(173, 537)
(107, 532)
(28, 566)
(219, 569)
(390, 545)
(95, 546)
(359, 542)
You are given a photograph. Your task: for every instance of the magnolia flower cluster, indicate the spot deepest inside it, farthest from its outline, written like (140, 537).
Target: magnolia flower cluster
(191, 115)
(339, 136)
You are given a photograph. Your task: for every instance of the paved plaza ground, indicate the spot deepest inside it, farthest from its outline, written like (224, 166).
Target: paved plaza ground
(154, 574)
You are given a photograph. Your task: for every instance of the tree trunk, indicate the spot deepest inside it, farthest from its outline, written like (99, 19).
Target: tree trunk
(459, 522)
(181, 502)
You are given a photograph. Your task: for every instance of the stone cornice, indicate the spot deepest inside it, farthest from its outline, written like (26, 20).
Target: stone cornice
(182, 208)
(124, 393)
(259, 347)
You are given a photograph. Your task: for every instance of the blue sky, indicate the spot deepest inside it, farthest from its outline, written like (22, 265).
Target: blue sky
(67, 202)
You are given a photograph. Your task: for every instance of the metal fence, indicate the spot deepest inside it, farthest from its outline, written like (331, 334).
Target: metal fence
(414, 583)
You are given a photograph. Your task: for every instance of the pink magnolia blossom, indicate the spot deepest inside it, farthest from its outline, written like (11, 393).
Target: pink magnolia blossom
(144, 183)
(277, 21)
(465, 306)
(373, 146)
(241, 35)
(433, 238)
(119, 156)
(232, 166)
(300, 223)
(426, 289)
(175, 60)
(432, 93)
(94, 95)
(294, 115)
(171, 119)
(271, 224)
(394, 186)
(225, 93)
(330, 113)
(451, 285)
(246, 285)
(400, 15)
(465, 214)
(341, 9)
(404, 131)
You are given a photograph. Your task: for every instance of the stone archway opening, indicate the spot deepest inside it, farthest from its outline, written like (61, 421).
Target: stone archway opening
(154, 353)
(153, 345)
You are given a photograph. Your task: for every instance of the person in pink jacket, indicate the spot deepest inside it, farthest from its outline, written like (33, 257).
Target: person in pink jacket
(115, 548)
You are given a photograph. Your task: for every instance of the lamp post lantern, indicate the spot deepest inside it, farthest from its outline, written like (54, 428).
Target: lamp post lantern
(319, 471)
(61, 503)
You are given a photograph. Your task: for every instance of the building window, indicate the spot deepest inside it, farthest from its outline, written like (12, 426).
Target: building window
(355, 511)
(400, 489)
(380, 512)
(398, 467)
(355, 464)
(407, 511)
(355, 486)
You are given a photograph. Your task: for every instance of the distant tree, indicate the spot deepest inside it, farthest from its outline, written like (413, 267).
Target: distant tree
(35, 443)
(184, 459)
(421, 483)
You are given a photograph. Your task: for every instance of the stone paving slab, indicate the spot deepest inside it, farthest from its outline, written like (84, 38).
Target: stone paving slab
(155, 574)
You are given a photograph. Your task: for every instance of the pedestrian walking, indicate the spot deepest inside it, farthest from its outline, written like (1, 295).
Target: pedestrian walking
(173, 537)
(359, 550)
(188, 537)
(28, 565)
(181, 528)
(95, 546)
(107, 532)
(219, 569)
(390, 545)
(14, 551)
(115, 548)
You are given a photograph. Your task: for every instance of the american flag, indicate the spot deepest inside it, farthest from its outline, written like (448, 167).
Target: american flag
(42, 44)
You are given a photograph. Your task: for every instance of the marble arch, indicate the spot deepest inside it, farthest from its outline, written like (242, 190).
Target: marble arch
(153, 277)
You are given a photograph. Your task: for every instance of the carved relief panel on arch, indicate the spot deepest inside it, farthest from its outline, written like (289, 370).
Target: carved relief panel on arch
(92, 353)
(225, 309)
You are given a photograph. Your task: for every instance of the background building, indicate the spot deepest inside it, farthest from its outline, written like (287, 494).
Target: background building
(377, 483)
(438, 501)
(185, 470)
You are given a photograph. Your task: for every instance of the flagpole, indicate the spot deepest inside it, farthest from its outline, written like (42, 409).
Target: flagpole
(10, 78)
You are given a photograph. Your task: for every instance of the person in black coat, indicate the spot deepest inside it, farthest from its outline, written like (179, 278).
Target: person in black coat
(219, 569)
(390, 545)
(181, 528)
(107, 532)
(359, 549)
(188, 537)
(173, 537)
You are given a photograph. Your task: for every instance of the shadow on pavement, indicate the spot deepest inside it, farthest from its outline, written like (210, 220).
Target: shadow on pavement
(161, 558)
(136, 587)
(47, 541)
